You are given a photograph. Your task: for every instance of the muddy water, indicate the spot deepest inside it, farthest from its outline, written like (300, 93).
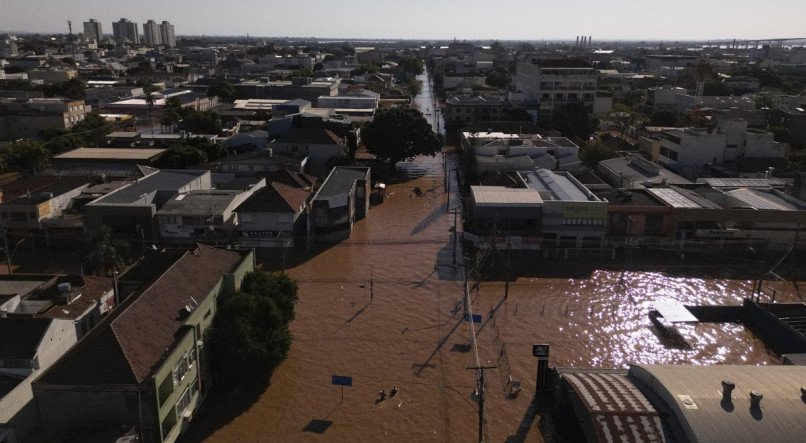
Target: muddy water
(385, 307)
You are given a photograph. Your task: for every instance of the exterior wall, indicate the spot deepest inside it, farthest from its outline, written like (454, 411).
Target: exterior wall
(463, 81)
(263, 229)
(689, 154)
(347, 102)
(17, 408)
(68, 411)
(554, 88)
(52, 208)
(318, 155)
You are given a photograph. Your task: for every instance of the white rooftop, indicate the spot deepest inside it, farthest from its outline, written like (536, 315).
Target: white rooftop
(500, 196)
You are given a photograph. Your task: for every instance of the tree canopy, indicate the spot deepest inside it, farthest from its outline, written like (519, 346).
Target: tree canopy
(623, 116)
(574, 120)
(594, 152)
(180, 156)
(105, 253)
(25, 156)
(250, 333)
(224, 90)
(395, 134)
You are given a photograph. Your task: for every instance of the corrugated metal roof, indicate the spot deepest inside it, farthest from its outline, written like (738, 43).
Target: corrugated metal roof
(674, 198)
(762, 200)
(705, 417)
(618, 410)
(501, 196)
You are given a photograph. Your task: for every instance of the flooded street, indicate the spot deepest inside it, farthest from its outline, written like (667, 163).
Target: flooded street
(386, 308)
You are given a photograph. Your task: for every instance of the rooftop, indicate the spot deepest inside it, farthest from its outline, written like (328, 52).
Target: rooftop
(146, 187)
(145, 155)
(500, 196)
(199, 202)
(556, 186)
(21, 337)
(694, 396)
(340, 181)
(38, 184)
(127, 347)
(276, 197)
(317, 136)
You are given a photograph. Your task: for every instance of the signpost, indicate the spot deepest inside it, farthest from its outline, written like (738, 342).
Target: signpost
(341, 380)
(476, 318)
(541, 351)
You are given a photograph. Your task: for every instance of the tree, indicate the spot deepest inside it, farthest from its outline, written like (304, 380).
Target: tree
(224, 90)
(25, 156)
(781, 134)
(594, 152)
(250, 335)
(395, 134)
(663, 118)
(624, 117)
(106, 253)
(180, 156)
(414, 87)
(574, 120)
(200, 122)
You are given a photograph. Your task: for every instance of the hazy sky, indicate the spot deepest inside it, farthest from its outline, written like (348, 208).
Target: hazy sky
(428, 19)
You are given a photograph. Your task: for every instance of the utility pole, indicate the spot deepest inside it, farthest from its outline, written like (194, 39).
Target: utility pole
(455, 235)
(480, 388)
(506, 283)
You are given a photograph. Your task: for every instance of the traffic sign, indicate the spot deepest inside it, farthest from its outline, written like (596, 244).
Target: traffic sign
(341, 380)
(476, 318)
(540, 351)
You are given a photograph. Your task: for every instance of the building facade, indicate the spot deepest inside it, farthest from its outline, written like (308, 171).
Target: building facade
(556, 83)
(125, 31)
(92, 31)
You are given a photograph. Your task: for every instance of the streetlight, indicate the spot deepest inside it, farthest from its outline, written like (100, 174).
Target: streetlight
(10, 255)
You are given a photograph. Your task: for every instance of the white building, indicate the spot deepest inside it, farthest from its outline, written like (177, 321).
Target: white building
(167, 35)
(504, 152)
(556, 83)
(689, 151)
(152, 34)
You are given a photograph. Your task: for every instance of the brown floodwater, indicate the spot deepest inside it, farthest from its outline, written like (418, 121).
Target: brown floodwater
(407, 331)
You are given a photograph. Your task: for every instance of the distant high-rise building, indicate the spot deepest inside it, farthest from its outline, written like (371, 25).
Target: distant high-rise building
(92, 31)
(151, 33)
(125, 31)
(167, 34)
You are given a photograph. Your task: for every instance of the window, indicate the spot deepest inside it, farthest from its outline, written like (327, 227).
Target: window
(184, 401)
(183, 366)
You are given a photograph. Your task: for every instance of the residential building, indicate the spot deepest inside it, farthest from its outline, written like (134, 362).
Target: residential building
(203, 215)
(51, 195)
(555, 83)
(130, 210)
(167, 35)
(125, 31)
(274, 216)
(464, 110)
(690, 151)
(152, 33)
(147, 363)
(92, 31)
(261, 162)
(509, 152)
(632, 172)
(138, 105)
(28, 348)
(298, 88)
(50, 76)
(25, 118)
(319, 145)
(339, 203)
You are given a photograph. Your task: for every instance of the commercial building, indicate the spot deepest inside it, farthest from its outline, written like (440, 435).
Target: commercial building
(508, 152)
(146, 365)
(691, 151)
(125, 31)
(636, 172)
(299, 88)
(25, 118)
(556, 83)
(92, 31)
(340, 202)
(43, 197)
(273, 216)
(319, 145)
(717, 403)
(551, 206)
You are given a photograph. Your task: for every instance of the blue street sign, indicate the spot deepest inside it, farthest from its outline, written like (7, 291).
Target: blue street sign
(341, 380)
(476, 318)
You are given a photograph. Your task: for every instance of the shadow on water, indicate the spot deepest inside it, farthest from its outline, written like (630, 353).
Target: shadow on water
(224, 404)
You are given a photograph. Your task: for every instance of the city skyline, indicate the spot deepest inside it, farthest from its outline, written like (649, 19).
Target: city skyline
(471, 19)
